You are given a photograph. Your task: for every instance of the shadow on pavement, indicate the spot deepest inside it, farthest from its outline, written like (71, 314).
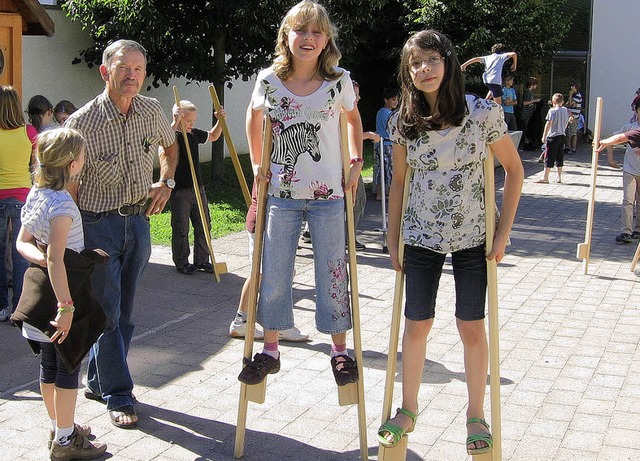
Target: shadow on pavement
(213, 440)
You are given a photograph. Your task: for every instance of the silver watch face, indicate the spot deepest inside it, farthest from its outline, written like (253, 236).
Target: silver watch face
(169, 182)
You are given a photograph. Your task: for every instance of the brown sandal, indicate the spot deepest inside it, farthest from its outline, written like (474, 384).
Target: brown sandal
(118, 413)
(256, 370)
(345, 370)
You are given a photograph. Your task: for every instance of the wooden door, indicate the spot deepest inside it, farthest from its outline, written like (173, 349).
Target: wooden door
(11, 50)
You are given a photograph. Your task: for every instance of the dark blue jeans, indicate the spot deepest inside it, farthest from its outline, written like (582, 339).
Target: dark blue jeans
(10, 209)
(128, 243)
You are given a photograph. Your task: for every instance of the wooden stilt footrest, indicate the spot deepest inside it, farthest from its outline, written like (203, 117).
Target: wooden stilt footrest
(221, 268)
(257, 392)
(348, 394)
(583, 250)
(483, 457)
(397, 453)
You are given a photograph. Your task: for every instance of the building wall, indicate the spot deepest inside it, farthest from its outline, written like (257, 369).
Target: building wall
(47, 70)
(615, 67)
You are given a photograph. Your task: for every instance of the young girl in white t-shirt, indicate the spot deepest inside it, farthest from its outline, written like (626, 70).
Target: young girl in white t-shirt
(303, 93)
(444, 139)
(51, 223)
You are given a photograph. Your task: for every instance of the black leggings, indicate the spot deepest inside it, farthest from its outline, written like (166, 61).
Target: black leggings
(555, 154)
(53, 371)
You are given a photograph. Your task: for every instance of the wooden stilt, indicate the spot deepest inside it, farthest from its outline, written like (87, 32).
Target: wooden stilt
(232, 149)
(346, 393)
(383, 188)
(399, 452)
(218, 268)
(255, 393)
(584, 249)
(492, 294)
(636, 256)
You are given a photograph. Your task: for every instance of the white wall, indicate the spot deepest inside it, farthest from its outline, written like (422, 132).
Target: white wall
(615, 67)
(47, 70)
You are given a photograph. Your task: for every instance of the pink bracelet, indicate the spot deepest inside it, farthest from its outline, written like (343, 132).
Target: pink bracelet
(356, 160)
(65, 303)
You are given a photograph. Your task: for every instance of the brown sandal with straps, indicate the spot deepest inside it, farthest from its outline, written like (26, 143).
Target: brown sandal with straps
(345, 370)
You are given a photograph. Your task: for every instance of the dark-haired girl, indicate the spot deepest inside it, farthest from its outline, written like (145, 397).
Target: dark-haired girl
(445, 141)
(40, 112)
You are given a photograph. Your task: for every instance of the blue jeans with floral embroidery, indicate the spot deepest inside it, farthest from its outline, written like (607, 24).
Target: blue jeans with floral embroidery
(282, 230)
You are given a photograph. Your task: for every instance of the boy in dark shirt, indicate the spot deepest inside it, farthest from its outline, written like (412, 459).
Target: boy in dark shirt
(183, 199)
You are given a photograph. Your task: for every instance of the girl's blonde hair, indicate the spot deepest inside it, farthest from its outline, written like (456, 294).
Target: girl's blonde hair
(10, 113)
(304, 13)
(56, 149)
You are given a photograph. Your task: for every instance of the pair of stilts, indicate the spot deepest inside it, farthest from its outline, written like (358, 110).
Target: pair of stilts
(399, 452)
(349, 394)
(218, 267)
(354, 393)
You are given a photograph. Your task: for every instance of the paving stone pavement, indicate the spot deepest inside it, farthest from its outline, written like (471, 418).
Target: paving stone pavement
(570, 373)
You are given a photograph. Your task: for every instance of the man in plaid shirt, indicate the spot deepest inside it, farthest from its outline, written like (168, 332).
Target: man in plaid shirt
(116, 195)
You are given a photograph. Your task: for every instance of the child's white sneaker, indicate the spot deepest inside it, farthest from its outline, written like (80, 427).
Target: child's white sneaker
(293, 335)
(238, 329)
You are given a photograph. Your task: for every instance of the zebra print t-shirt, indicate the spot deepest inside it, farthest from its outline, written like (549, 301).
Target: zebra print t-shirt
(305, 160)
(42, 206)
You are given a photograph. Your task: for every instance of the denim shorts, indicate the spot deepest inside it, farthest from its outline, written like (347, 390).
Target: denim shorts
(423, 269)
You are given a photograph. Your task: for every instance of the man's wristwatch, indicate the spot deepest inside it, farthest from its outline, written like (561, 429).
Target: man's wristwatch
(169, 182)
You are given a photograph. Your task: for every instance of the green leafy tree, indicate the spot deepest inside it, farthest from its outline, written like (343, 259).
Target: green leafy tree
(534, 29)
(214, 41)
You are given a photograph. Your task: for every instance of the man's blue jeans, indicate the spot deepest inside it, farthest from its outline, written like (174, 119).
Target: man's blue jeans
(128, 243)
(10, 209)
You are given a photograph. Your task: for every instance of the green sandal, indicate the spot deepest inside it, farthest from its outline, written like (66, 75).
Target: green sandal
(396, 431)
(473, 438)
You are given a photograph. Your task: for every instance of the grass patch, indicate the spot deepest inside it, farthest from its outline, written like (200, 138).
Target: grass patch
(225, 200)
(368, 154)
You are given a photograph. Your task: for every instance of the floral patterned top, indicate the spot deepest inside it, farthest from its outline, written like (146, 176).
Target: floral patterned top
(306, 159)
(445, 209)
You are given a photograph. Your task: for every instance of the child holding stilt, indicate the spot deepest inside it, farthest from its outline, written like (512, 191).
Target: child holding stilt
(303, 93)
(554, 136)
(184, 205)
(51, 227)
(630, 177)
(445, 141)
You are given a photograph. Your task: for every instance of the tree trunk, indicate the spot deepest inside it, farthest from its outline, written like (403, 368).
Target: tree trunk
(217, 149)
